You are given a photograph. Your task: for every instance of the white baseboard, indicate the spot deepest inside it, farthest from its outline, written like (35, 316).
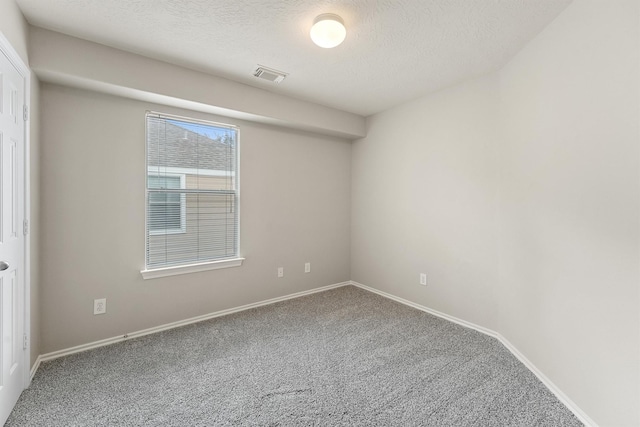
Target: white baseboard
(584, 418)
(119, 338)
(34, 368)
(579, 413)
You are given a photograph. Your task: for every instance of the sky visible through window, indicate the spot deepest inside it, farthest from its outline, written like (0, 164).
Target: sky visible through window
(212, 132)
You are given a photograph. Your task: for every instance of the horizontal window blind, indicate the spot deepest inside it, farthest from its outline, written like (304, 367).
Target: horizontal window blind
(165, 210)
(191, 191)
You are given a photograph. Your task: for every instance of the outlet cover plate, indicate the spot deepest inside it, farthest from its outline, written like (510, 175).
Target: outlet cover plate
(100, 306)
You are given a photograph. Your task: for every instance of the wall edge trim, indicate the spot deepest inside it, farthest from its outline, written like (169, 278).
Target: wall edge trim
(108, 341)
(579, 413)
(35, 367)
(570, 404)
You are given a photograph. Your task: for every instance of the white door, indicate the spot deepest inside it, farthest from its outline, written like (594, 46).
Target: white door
(12, 240)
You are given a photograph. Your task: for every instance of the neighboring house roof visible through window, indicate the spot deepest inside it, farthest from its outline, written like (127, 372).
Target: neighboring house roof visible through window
(185, 147)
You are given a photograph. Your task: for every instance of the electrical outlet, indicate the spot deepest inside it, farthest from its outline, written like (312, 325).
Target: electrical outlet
(100, 306)
(423, 279)
(280, 271)
(307, 267)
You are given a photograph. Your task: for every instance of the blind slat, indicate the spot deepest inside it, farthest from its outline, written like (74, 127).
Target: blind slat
(192, 194)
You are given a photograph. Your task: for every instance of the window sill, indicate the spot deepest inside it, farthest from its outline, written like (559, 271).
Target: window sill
(191, 268)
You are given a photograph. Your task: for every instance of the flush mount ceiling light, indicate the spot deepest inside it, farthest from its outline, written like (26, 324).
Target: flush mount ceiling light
(328, 30)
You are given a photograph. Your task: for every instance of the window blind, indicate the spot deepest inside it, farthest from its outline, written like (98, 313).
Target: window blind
(191, 191)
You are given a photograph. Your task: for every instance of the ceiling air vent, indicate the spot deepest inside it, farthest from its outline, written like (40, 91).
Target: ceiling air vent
(269, 74)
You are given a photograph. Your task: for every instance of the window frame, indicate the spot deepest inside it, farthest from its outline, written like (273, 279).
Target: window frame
(234, 261)
(183, 206)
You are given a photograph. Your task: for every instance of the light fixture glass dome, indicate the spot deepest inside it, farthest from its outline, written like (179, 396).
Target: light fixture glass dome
(328, 30)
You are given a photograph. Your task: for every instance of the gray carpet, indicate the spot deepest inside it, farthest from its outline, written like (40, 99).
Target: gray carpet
(336, 358)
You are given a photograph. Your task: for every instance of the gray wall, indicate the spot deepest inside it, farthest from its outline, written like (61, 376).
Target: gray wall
(570, 203)
(294, 208)
(518, 194)
(424, 201)
(15, 28)
(70, 61)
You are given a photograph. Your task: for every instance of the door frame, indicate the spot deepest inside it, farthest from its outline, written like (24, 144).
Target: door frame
(7, 49)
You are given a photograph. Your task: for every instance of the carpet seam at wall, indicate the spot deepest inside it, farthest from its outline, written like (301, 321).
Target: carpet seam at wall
(345, 356)
(562, 397)
(128, 336)
(579, 413)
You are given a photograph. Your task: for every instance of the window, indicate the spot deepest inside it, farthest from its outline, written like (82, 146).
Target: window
(167, 211)
(191, 195)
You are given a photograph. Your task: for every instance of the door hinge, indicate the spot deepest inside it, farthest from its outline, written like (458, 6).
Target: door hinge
(25, 227)
(25, 113)
(24, 341)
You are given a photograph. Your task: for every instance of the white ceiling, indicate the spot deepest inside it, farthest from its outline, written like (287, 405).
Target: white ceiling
(395, 50)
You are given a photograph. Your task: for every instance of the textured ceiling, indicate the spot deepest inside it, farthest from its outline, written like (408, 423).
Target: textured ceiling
(395, 50)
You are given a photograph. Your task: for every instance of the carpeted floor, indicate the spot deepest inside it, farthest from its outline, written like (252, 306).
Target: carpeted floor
(336, 358)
